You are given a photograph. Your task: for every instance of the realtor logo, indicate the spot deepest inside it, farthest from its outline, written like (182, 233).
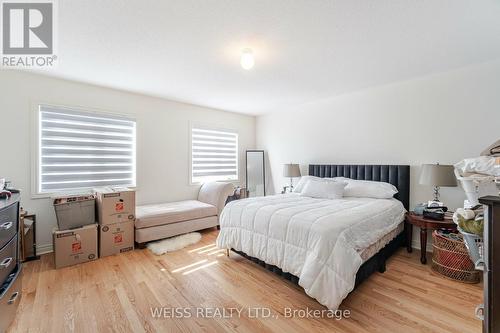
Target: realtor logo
(27, 28)
(28, 33)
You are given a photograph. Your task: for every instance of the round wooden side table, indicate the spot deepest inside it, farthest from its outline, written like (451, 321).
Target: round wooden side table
(425, 224)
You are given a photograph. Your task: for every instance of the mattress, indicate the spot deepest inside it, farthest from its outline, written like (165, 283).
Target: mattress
(374, 248)
(323, 242)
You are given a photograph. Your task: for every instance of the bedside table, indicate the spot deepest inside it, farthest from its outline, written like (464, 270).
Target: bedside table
(425, 224)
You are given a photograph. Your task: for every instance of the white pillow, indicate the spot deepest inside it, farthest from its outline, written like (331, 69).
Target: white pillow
(302, 182)
(344, 179)
(369, 189)
(323, 189)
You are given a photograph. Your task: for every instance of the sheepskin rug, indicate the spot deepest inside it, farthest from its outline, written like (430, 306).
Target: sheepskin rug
(174, 243)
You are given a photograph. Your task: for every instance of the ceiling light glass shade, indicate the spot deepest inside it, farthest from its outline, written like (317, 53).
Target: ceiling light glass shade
(247, 61)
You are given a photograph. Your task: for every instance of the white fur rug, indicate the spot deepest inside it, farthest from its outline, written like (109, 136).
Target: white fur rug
(174, 243)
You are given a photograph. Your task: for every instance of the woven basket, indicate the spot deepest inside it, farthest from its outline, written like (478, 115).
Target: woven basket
(451, 258)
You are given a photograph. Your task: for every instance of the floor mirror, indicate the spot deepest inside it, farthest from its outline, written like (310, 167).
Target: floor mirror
(256, 175)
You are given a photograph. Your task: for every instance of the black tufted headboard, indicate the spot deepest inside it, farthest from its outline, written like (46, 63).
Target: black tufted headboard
(397, 175)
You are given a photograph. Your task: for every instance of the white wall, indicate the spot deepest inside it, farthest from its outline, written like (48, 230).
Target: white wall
(440, 118)
(162, 137)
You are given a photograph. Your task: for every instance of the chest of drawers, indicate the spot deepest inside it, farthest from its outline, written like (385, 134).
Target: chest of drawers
(491, 250)
(10, 265)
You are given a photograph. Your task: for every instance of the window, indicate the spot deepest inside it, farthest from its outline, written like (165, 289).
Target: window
(81, 150)
(214, 154)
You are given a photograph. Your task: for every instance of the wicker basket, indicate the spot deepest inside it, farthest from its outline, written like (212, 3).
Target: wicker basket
(451, 258)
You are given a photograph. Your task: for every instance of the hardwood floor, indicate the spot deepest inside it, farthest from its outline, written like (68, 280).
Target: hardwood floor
(117, 293)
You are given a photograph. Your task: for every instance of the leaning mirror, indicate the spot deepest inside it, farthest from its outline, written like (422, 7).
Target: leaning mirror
(256, 185)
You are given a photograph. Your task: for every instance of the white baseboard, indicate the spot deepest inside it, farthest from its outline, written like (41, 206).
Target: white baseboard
(45, 248)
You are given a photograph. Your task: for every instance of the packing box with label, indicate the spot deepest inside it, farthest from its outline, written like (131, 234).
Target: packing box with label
(115, 206)
(75, 246)
(116, 238)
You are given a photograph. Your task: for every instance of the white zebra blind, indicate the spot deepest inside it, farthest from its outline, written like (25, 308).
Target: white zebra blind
(214, 154)
(80, 150)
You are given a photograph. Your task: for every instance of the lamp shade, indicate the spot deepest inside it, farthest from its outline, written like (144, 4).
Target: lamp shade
(291, 170)
(437, 175)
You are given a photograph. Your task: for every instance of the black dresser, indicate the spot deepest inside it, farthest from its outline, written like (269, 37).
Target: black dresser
(10, 264)
(491, 323)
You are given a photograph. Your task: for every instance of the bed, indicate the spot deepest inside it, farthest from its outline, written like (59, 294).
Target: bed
(326, 246)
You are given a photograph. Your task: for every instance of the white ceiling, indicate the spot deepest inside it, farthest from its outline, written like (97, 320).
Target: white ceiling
(188, 50)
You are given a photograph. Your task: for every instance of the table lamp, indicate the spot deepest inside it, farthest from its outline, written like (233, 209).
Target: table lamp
(437, 175)
(291, 171)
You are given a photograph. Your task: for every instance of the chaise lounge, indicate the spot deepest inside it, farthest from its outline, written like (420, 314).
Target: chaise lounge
(158, 221)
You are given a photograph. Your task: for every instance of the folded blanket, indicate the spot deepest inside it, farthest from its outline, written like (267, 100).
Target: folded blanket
(469, 221)
(484, 165)
(492, 150)
(475, 226)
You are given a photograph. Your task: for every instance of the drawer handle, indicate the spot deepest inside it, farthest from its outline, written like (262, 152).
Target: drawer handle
(480, 311)
(6, 225)
(6, 262)
(13, 298)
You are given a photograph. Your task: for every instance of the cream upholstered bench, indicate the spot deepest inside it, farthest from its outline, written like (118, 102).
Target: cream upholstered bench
(165, 220)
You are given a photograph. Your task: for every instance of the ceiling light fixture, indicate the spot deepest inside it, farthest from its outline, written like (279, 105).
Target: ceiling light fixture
(247, 61)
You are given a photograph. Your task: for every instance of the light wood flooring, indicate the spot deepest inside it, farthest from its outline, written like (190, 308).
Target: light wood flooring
(116, 294)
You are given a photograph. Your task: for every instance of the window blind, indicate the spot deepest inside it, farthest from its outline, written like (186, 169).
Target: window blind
(214, 154)
(82, 150)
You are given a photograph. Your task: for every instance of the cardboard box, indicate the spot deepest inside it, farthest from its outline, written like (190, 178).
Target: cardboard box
(75, 246)
(116, 238)
(115, 206)
(74, 212)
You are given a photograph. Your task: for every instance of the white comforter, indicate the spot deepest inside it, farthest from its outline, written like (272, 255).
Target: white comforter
(316, 240)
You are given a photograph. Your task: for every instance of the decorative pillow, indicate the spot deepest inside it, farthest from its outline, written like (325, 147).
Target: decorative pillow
(344, 179)
(369, 189)
(302, 182)
(323, 189)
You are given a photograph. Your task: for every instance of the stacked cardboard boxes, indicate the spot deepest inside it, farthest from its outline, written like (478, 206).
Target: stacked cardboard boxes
(116, 217)
(75, 241)
(113, 234)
